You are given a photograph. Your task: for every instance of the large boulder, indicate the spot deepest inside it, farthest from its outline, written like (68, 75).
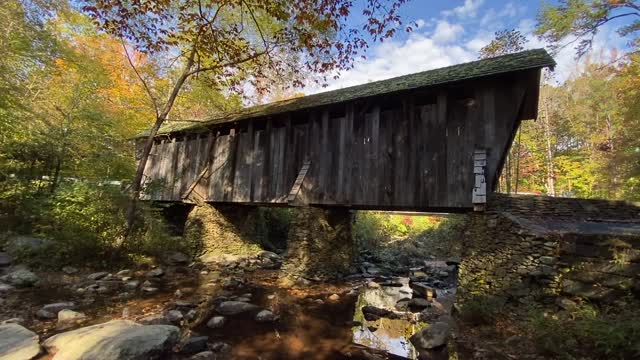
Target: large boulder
(431, 337)
(114, 340)
(17, 343)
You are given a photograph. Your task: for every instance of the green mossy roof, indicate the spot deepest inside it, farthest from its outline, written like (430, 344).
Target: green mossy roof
(530, 59)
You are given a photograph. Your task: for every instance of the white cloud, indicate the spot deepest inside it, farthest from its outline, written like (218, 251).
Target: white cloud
(448, 43)
(468, 9)
(445, 32)
(395, 58)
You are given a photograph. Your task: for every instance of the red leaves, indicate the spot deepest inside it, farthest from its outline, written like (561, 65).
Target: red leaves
(285, 37)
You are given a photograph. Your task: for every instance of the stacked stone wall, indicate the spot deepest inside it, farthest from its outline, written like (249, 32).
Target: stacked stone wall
(320, 244)
(517, 258)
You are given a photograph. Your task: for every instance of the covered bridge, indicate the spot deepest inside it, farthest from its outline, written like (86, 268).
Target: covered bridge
(430, 141)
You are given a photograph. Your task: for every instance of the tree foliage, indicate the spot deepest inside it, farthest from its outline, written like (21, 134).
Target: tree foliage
(505, 42)
(582, 19)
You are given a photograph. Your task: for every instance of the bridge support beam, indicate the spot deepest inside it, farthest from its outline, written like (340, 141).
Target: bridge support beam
(220, 233)
(320, 244)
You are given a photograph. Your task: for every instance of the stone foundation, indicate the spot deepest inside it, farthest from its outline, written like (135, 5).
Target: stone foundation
(220, 233)
(320, 244)
(524, 254)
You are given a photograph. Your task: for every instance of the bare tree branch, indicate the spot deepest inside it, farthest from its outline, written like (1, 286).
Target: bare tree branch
(142, 80)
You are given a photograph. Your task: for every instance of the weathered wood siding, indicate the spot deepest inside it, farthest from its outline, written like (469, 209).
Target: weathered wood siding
(411, 150)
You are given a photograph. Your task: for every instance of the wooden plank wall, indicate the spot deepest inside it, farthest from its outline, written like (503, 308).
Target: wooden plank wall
(408, 151)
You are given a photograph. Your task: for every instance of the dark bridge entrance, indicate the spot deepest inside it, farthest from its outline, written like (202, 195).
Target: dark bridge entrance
(431, 141)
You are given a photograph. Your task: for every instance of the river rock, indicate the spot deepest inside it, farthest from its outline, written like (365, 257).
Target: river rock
(194, 344)
(176, 258)
(205, 355)
(431, 337)
(69, 270)
(45, 315)
(131, 285)
(114, 340)
(419, 303)
(334, 297)
(157, 272)
(5, 259)
(97, 276)
(155, 319)
(56, 307)
(18, 343)
(266, 316)
(5, 288)
(216, 322)
(174, 316)
(68, 318)
(230, 308)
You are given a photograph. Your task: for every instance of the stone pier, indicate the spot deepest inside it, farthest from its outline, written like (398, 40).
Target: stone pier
(320, 244)
(223, 232)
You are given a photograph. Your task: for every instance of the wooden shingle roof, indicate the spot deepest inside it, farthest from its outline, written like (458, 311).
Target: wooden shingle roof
(529, 59)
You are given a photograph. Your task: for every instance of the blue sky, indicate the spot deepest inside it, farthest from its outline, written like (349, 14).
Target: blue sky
(452, 32)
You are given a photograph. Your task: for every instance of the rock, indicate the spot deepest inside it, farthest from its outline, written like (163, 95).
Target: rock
(191, 314)
(15, 320)
(422, 289)
(373, 285)
(220, 347)
(266, 316)
(66, 315)
(419, 303)
(243, 299)
(176, 258)
(131, 285)
(18, 343)
(69, 270)
(21, 278)
(431, 337)
(69, 318)
(5, 288)
(231, 308)
(150, 290)
(174, 316)
(216, 322)
(97, 275)
(334, 297)
(194, 344)
(56, 307)
(45, 315)
(205, 355)
(5, 259)
(372, 313)
(157, 272)
(453, 261)
(156, 319)
(115, 340)
(125, 272)
(566, 304)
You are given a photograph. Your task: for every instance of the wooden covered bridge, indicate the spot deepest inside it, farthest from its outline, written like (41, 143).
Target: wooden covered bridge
(430, 141)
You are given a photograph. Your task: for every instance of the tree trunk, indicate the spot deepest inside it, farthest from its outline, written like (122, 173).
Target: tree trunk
(551, 176)
(136, 186)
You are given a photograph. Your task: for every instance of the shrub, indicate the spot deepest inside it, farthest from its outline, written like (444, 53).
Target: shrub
(588, 333)
(481, 310)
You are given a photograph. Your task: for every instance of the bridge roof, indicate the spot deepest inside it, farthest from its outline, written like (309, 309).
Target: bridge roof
(529, 59)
